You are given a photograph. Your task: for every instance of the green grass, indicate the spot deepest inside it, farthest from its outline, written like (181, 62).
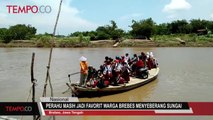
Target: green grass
(73, 42)
(47, 41)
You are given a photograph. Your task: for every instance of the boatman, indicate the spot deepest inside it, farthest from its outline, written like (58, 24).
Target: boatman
(84, 71)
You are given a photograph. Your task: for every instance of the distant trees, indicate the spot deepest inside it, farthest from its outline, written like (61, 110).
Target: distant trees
(162, 29)
(103, 32)
(179, 26)
(5, 35)
(17, 32)
(144, 28)
(198, 24)
(184, 27)
(22, 32)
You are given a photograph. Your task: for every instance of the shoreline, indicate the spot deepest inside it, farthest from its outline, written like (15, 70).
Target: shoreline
(109, 44)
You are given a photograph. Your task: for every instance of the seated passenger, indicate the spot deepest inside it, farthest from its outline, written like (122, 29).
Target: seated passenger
(125, 72)
(140, 63)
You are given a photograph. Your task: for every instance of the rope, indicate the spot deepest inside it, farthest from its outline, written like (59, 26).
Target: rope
(30, 91)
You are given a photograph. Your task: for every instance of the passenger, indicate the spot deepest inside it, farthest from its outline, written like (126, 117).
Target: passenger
(153, 60)
(92, 75)
(106, 59)
(149, 63)
(125, 72)
(117, 71)
(84, 71)
(134, 60)
(140, 63)
(108, 70)
(127, 58)
(118, 66)
(101, 69)
(155, 63)
(147, 55)
(100, 82)
(151, 54)
(143, 56)
(111, 61)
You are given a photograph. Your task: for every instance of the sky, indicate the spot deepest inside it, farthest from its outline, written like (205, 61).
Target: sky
(86, 15)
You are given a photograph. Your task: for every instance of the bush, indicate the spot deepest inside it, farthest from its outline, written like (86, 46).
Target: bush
(44, 41)
(73, 42)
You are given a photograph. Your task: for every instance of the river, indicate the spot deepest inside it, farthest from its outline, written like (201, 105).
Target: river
(185, 74)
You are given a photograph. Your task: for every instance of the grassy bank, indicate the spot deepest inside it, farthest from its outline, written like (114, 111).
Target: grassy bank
(191, 40)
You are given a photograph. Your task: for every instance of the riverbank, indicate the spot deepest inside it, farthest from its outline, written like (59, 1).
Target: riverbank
(156, 41)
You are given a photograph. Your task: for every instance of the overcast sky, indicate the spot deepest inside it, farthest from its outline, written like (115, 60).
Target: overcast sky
(83, 15)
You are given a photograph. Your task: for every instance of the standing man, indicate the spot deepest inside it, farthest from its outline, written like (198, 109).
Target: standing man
(84, 71)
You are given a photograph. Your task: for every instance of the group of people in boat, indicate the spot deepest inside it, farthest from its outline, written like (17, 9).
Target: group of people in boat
(116, 71)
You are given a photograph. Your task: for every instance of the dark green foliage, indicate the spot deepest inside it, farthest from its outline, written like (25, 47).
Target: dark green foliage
(22, 32)
(101, 35)
(144, 28)
(162, 29)
(198, 24)
(102, 32)
(109, 32)
(210, 26)
(180, 26)
(17, 32)
(5, 35)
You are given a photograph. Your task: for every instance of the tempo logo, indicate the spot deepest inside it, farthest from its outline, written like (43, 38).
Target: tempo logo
(18, 108)
(15, 9)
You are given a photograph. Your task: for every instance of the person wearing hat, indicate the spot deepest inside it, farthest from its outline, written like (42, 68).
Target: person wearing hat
(84, 71)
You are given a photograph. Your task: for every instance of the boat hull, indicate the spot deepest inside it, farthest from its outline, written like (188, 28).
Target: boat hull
(133, 83)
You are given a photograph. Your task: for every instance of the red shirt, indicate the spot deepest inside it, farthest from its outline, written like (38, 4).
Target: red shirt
(140, 63)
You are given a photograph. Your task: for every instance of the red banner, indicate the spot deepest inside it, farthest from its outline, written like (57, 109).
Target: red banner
(195, 109)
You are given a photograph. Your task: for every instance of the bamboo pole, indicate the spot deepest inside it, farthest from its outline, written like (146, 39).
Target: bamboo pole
(48, 74)
(57, 18)
(33, 81)
(50, 56)
(32, 77)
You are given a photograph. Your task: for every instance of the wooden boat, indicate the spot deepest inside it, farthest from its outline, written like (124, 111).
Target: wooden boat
(133, 83)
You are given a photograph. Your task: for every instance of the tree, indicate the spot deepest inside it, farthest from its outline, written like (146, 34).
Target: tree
(5, 35)
(162, 29)
(198, 24)
(103, 33)
(2, 32)
(109, 31)
(180, 26)
(142, 28)
(22, 32)
(75, 34)
(210, 26)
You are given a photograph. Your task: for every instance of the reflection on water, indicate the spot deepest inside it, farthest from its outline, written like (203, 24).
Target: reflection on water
(185, 74)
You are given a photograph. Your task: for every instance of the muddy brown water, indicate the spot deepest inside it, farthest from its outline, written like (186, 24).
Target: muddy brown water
(186, 75)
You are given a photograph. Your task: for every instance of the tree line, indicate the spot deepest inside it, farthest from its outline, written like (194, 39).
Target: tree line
(145, 28)
(17, 32)
(142, 29)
